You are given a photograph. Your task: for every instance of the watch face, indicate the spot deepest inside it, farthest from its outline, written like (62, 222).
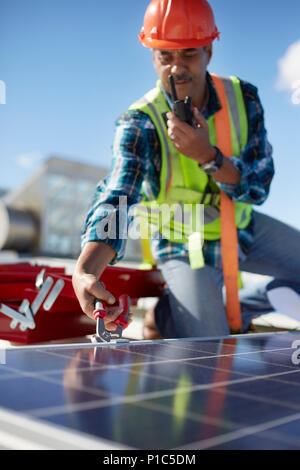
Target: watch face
(212, 167)
(209, 168)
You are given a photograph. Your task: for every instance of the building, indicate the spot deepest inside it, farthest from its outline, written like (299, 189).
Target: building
(46, 214)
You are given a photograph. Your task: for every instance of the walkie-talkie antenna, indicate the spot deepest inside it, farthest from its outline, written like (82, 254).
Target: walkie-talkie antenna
(181, 108)
(173, 89)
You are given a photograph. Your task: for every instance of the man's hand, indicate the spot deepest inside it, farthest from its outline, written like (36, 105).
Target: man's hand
(90, 266)
(87, 289)
(192, 142)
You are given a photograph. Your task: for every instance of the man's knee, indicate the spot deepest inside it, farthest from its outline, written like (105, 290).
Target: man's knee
(150, 330)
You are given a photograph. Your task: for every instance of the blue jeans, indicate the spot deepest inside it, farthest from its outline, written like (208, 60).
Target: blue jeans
(193, 305)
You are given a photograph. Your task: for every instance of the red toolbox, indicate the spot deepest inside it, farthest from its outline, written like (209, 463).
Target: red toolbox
(38, 303)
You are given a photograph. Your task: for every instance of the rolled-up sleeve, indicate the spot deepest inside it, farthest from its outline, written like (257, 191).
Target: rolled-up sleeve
(255, 162)
(107, 220)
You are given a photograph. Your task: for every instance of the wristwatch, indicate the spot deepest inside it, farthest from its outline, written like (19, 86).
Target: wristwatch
(215, 165)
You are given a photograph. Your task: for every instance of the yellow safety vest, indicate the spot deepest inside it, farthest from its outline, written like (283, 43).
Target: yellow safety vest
(175, 212)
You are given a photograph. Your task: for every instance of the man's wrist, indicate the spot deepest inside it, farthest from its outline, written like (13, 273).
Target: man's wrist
(209, 155)
(94, 258)
(213, 165)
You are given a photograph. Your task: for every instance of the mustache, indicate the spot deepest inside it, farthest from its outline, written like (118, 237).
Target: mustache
(181, 78)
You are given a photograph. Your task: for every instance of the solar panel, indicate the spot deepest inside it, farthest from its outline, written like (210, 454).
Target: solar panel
(239, 392)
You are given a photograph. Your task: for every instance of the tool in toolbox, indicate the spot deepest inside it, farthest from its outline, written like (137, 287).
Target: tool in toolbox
(24, 316)
(100, 312)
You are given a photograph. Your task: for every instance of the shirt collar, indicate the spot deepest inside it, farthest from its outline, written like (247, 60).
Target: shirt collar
(212, 104)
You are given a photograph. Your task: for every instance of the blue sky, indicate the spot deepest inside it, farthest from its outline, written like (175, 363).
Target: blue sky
(72, 67)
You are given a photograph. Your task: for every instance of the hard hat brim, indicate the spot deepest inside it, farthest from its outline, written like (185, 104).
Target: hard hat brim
(182, 44)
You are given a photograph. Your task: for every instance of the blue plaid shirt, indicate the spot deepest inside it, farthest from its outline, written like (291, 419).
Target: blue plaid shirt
(136, 161)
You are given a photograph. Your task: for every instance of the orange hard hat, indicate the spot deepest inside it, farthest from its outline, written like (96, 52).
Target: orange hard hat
(178, 24)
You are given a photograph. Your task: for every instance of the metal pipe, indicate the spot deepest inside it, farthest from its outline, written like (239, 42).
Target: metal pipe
(18, 229)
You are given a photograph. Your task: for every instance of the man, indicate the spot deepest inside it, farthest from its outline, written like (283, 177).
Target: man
(223, 160)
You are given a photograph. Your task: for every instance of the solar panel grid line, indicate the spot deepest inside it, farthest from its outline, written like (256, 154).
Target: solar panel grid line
(287, 382)
(149, 375)
(99, 369)
(208, 420)
(185, 361)
(47, 436)
(268, 393)
(74, 408)
(280, 350)
(191, 416)
(126, 368)
(234, 435)
(252, 361)
(65, 356)
(159, 361)
(219, 369)
(140, 342)
(238, 354)
(223, 343)
(181, 360)
(117, 400)
(112, 401)
(108, 367)
(7, 376)
(120, 349)
(150, 405)
(95, 367)
(204, 351)
(185, 346)
(194, 365)
(39, 374)
(285, 352)
(281, 438)
(143, 354)
(19, 373)
(267, 401)
(40, 377)
(266, 362)
(129, 352)
(244, 373)
(230, 340)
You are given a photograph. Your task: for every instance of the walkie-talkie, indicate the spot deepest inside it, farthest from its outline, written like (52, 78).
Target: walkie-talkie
(182, 108)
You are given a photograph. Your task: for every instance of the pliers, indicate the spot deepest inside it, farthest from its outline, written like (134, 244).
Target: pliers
(100, 312)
